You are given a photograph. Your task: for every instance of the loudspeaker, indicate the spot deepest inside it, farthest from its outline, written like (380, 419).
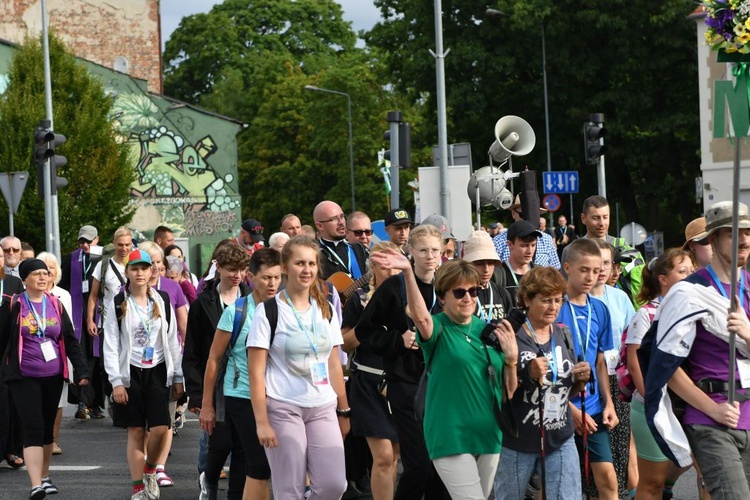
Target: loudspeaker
(513, 137)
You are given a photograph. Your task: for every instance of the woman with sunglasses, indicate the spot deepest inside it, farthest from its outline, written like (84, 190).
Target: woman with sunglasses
(460, 428)
(385, 330)
(547, 376)
(35, 337)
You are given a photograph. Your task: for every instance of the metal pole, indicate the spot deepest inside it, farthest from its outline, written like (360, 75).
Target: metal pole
(733, 289)
(351, 135)
(546, 109)
(10, 216)
(395, 187)
(439, 56)
(351, 152)
(48, 210)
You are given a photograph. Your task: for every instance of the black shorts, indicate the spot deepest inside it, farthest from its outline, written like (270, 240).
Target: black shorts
(370, 414)
(239, 414)
(148, 399)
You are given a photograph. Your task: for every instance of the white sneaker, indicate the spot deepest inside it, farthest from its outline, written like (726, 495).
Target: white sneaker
(202, 483)
(151, 486)
(141, 495)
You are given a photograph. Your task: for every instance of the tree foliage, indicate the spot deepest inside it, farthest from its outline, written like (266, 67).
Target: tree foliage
(633, 60)
(98, 170)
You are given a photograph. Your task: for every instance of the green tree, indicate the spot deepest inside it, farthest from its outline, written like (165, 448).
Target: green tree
(98, 170)
(632, 60)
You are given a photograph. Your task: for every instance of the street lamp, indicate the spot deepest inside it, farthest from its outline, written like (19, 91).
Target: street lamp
(351, 140)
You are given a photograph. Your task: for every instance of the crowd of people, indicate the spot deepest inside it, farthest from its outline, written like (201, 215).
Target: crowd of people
(519, 360)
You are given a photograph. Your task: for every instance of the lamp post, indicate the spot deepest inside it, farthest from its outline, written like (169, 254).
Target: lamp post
(351, 139)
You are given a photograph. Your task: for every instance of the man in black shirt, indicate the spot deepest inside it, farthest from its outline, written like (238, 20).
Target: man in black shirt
(336, 254)
(522, 239)
(493, 302)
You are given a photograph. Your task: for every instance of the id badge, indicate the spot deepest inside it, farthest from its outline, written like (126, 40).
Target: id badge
(319, 372)
(48, 351)
(148, 355)
(559, 360)
(552, 406)
(743, 366)
(85, 286)
(611, 357)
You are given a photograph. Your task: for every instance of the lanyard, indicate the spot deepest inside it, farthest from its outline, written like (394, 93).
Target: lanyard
(585, 347)
(85, 267)
(312, 340)
(553, 361)
(491, 304)
(332, 251)
(221, 301)
(41, 323)
(147, 323)
(720, 287)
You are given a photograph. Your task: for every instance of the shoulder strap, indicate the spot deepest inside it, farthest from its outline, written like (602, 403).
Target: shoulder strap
(119, 299)
(272, 315)
(109, 265)
(240, 314)
(167, 308)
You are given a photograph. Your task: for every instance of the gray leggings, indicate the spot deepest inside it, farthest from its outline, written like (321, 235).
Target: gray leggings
(468, 477)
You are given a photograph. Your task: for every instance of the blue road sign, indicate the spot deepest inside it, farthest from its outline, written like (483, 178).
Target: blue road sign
(560, 182)
(551, 202)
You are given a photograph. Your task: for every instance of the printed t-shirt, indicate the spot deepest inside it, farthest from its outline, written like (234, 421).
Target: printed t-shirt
(291, 357)
(236, 381)
(33, 363)
(459, 416)
(493, 304)
(558, 423)
(176, 297)
(146, 333)
(591, 328)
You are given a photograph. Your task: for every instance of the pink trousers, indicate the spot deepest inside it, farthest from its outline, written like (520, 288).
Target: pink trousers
(309, 443)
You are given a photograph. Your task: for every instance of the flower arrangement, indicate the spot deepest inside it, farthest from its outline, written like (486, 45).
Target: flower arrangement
(728, 24)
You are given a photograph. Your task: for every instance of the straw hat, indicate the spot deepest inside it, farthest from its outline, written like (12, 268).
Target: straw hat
(517, 204)
(695, 231)
(479, 246)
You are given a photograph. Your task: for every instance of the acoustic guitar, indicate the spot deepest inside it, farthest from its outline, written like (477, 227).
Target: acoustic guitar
(346, 286)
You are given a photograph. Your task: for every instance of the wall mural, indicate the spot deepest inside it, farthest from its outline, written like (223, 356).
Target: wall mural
(174, 177)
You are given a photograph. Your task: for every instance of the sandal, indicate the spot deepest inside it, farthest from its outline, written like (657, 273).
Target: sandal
(14, 460)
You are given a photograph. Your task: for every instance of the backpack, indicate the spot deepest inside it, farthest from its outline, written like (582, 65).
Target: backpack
(632, 270)
(108, 254)
(120, 299)
(624, 379)
(240, 315)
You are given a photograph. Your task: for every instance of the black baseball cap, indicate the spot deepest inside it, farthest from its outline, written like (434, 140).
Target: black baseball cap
(254, 228)
(397, 216)
(522, 229)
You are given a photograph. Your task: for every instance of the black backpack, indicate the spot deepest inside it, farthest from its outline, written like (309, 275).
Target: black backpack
(120, 298)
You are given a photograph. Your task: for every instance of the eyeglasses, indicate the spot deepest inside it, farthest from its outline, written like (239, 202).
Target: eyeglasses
(702, 242)
(335, 218)
(11, 250)
(83, 241)
(606, 264)
(459, 293)
(360, 232)
(547, 302)
(424, 252)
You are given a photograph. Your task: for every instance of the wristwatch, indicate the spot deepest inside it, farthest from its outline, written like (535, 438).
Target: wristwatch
(343, 413)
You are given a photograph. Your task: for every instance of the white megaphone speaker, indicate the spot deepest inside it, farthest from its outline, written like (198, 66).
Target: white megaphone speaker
(514, 137)
(484, 185)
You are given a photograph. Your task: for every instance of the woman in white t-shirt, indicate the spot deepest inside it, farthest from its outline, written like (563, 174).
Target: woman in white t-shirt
(297, 384)
(114, 278)
(655, 471)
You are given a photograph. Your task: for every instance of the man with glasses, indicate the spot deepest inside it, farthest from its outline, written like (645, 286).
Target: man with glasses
(12, 252)
(359, 229)
(77, 269)
(337, 255)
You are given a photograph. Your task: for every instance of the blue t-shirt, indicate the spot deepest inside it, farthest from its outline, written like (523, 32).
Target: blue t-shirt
(236, 382)
(591, 329)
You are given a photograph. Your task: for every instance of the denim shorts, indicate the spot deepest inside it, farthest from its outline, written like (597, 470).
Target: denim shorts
(563, 473)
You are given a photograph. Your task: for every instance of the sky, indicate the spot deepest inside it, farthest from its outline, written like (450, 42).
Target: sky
(361, 13)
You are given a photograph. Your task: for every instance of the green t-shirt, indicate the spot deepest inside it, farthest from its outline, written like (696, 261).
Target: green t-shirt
(459, 408)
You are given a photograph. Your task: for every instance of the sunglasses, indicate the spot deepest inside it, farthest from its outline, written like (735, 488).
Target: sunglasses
(360, 232)
(11, 250)
(459, 293)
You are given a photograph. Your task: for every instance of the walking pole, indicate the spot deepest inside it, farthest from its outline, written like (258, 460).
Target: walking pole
(541, 433)
(733, 305)
(585, 437)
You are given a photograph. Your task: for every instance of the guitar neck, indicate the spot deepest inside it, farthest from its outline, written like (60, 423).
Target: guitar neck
(358, 283)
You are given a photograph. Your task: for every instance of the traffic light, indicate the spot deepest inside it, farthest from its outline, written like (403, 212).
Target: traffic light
(593, 138)
(45, 142)
(400, 141)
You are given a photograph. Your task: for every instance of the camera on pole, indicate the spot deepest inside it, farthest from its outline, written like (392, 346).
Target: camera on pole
(593, 138)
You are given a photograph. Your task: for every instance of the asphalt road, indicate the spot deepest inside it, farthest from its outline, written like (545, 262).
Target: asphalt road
(93, 466)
